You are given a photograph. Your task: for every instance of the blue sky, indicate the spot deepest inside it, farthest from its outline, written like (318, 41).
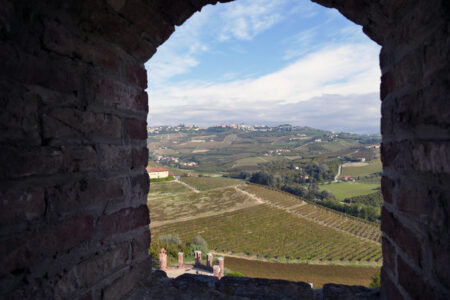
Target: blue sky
(267, 62)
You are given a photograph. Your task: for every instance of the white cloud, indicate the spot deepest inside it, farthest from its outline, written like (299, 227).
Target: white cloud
(352, 113)
(344, 70)
(247, 18)
(347, 72)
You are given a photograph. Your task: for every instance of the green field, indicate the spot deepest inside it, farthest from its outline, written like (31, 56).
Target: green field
(316, 274)
(342, 190)
(208, 183)
(373, 166)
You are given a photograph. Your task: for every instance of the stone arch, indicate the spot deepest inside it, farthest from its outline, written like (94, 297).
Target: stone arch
(73, 128)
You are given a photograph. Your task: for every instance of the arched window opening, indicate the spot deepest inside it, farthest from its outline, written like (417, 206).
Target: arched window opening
(264, 144)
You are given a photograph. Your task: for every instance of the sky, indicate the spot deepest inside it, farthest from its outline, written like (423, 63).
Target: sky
(267, 62)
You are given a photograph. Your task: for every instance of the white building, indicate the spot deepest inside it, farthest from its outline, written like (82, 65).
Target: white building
(157, 172)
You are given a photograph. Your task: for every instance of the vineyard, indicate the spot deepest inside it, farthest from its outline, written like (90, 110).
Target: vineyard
(316, 274)
(267, 232)
(208, 183)
(174, 201)
(314, 212)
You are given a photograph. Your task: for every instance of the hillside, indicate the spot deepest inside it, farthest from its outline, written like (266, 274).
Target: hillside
(266, 224)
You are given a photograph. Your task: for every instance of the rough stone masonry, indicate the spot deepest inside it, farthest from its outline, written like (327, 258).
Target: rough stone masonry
(73, 188)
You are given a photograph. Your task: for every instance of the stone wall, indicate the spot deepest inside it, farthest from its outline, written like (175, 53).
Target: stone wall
(74, 220)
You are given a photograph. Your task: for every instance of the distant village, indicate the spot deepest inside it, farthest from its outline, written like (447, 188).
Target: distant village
(243, 127)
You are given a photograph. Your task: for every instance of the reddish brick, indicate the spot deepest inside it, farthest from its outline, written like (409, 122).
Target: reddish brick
(414, 283)
(87, 296)
(387, 84)
(68, 122)
(87, 273)
(23, 251)
(141, 244)
(387, 188)
(115, 157)
(420, 201)
(441, 260)
(389, 254)
(29, 161)
(116, 94)
(402, 236)
(21, 205)
(65, 41)
(136, 129)
(389, 288)
(140, 185)
(85, 193)
(432, 157)
(79, 158)
(136, 74)
(124, 220)
(123, 285)
(19, 118)
(139, 157)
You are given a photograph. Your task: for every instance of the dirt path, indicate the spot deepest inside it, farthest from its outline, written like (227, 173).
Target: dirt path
(338, 173)
(197, 216)
(254, 197)
(188, 186)
(296, 261)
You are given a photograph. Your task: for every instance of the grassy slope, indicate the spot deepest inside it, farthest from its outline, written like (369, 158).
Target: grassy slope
(344, 190)
(317, 274)
(208, 183)
(172, 201)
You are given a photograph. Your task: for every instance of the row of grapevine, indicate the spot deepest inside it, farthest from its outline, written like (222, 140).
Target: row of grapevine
(268, 232)
(317, 213)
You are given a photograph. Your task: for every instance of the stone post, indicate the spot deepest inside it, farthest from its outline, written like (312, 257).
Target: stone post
(209, 260)
(198, 257)
(221, 265)
(180, 260)
(216, 271)
(163, 261)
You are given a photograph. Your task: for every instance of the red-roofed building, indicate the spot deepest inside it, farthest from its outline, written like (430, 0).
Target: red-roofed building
(157, 172)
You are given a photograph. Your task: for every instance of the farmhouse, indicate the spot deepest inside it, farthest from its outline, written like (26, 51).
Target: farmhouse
(157, 172)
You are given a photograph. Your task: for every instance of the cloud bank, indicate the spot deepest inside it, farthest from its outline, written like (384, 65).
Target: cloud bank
(329, 82)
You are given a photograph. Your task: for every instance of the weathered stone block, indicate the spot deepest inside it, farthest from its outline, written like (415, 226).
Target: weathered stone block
(19, 206)
(404, 237)
(124, 220)
(389, 254)
(136, 129)
(22, 251)
(387, 188)
(413, 283)
(139, 157)
(141, 244)
(115, 157)
(87, 273)
(69, 122)
(123, 285)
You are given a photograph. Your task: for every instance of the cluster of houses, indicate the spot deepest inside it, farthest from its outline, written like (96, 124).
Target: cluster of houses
(277, 151)
(160, 158)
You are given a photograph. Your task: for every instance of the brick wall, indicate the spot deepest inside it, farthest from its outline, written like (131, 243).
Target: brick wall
(74, 221)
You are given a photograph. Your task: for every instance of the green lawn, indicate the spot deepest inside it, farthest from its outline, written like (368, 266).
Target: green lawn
(342, 190)
(373, 166)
